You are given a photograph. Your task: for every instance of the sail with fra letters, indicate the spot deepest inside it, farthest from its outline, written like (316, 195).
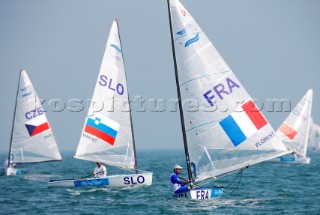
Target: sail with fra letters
(294, 131)
(32, 138)
(228, 132)
(107, 132)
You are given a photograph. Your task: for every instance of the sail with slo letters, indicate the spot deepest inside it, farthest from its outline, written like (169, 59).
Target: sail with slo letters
(32, 138)
(294, 131)
(227, 132)
(107, 133)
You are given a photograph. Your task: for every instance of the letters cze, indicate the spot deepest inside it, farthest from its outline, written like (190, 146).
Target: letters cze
(220, 90)
(34, 113)
(107, 82)
(130, 180)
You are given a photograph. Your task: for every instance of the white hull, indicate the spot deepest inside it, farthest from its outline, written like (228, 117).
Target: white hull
(201, 193)
(113, 181)
(10, 171)
(304, 160)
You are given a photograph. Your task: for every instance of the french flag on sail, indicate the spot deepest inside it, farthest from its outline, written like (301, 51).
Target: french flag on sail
(37, 125)
(103, 128)
(239, 126)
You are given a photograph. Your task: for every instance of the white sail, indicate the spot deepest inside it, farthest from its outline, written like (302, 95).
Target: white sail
(32, 138)
(314, 136)
(228, 132)
(294, 131)
(107, 133)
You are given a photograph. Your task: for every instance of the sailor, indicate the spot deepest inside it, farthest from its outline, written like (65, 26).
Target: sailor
(294, 155)
(9, 164)
(99, 171)
(177, 185)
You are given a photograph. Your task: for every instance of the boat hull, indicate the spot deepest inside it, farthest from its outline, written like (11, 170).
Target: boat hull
(113, 181)
(10, 171)
(201, 193)
(303, 160)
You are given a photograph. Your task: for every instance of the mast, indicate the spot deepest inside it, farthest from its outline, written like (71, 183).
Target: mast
(14, 117)
(308, 125)
(186, 150)
(133, 142)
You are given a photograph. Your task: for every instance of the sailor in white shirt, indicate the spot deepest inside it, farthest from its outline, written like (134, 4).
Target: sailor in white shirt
(100, 170)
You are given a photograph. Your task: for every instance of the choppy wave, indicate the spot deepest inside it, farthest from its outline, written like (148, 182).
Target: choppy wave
(266, 188)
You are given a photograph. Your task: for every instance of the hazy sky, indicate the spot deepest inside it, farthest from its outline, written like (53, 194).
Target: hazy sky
(272, 46)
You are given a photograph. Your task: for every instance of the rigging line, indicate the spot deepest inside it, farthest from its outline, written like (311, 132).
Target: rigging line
(238, 183)
(205, 149)
(241, 171)
(205, 182)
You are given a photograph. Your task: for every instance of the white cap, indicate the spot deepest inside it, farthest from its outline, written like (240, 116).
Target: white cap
(177, 167)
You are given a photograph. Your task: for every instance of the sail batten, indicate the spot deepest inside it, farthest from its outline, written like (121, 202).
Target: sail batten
(228, 131)
(107, 135)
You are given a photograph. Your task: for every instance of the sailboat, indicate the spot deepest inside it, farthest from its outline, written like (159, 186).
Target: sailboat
(216, 142)
(294, 131)
(32, 140)
(314, 136)
(107, 135)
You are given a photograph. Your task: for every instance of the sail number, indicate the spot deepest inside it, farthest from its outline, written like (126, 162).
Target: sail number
(202, 194)
(107, 82)
(131, 180)
(34, 113)
(220, 90)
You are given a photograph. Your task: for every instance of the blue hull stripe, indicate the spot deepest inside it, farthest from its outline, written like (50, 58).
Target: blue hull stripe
(92, 182)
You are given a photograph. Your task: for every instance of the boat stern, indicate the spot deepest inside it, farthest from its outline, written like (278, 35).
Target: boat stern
(201, 193)
(10, 171)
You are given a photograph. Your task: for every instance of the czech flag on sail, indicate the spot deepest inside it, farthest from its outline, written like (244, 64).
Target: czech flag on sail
(288, 131)
(37, 125)
(103, 128)
(239, 126)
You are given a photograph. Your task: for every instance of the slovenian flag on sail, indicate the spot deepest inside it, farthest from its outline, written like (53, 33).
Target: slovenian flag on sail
(239, 126)
(288, 131)
(103, 128)
(37, 125)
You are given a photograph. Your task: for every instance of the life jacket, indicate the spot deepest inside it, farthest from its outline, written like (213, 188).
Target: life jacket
(174, 186)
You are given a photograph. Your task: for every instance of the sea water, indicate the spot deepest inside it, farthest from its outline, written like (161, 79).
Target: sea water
(265, 188)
